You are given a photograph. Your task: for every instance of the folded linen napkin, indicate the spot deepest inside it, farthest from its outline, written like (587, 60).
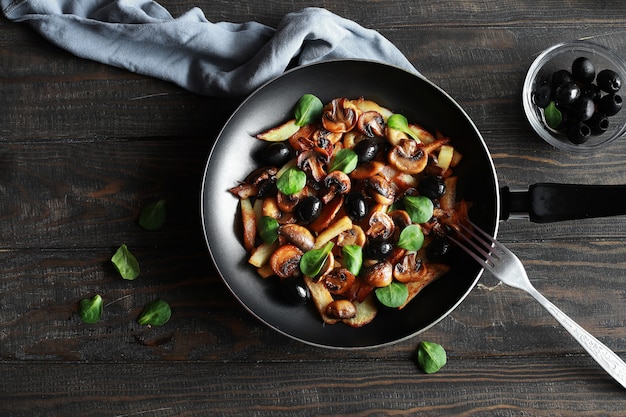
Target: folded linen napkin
(219, 59)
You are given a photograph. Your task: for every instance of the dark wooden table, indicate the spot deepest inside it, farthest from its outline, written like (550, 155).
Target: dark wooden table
(85, 146)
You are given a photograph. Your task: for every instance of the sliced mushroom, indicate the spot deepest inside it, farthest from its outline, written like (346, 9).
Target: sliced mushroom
(371, 124)
(255, 181)
(313, 162)
(381, 225)
(339, 280)
(302, 140)
(336, 183)
(340, 115)
(341, 309)
(297, 235)
(354, 236)
(285, 261)
(287, 203)
(401, 219)
(382, 190)
(410, 269)
(379, 274)
(367, 170)
(408, 156)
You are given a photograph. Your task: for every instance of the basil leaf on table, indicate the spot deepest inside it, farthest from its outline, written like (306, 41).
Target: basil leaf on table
(125, 263)
(152, 216)
(431, 357)
(155, 313)
(90, 309)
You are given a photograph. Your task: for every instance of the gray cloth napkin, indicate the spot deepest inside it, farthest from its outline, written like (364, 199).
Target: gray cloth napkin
(219, 59)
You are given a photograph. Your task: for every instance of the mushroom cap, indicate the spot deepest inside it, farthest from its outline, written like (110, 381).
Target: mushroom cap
(408, 156)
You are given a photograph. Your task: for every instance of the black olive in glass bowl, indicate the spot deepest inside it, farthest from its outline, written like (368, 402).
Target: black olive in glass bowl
(583, 70)
(609, 81)
(551, 122)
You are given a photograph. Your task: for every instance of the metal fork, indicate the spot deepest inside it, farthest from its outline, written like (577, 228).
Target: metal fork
(506, 266)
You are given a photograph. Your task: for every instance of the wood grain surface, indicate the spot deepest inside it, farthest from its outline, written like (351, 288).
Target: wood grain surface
(84, 146)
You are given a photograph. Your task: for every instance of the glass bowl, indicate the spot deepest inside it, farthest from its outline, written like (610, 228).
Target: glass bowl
(561, 56)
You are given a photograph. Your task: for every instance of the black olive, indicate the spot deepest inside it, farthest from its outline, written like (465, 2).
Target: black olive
(592, 91)
(366, 150)
(276, 154)
(561, 77)
(566, 94)
(578, 133)
(267, 188)
(432, 187)
(308, 209)
(294, 291)
(598, 123)
(609, 81)
(583, 70)
(378, 249)
(355, 205)
(438, 249)
(583, 109)
(610, 104)
(542, 96)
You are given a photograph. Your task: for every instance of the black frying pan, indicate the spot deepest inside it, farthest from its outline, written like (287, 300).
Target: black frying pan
(402, 92)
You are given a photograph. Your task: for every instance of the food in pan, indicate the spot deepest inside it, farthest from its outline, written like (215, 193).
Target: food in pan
(350, 206)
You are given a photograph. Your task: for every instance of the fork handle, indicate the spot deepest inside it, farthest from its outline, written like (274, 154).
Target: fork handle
(604, 356)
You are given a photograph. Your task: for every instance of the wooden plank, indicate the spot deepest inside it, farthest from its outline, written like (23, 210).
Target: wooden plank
(394, 386)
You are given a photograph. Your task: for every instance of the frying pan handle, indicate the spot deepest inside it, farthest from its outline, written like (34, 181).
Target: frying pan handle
(548, 202)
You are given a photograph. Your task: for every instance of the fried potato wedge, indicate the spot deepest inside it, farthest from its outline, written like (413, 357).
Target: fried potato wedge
(435, 271)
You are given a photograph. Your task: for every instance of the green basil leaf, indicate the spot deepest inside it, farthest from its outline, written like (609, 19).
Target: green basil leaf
(90, 309)
(152, 216)
(399, 122)
(420, 208)
(431, 357)
(352, 258)
(291, 182)
(155, 313)
(312, 261)
(345, 160)
(552, 115)
(393, 295)
(308, 109)
(411, 238)
(125, 263)
(268, 229)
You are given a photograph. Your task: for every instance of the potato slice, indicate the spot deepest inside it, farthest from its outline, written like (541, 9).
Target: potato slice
(280, 133)
(321, 298)
(248, 218)
(261, 254)
(339, 226)
(365, 312)
(444, 159)
(435, 271)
